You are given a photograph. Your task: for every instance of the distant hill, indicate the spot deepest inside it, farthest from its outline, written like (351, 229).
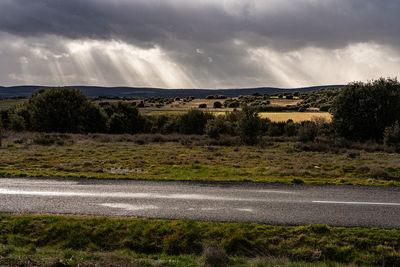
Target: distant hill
(143, 92)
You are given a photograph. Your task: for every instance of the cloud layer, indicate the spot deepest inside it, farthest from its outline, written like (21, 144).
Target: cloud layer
(217, 44)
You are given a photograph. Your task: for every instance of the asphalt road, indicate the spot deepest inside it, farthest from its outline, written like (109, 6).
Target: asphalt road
(239, 202)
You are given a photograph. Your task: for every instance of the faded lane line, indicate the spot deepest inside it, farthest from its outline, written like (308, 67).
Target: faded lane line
(247, 210)
(123, 195)
(270, 191)
(129, 207)
(356, 203)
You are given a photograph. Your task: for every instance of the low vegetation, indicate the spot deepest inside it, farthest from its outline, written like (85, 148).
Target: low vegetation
(196, 157)
(30, 240)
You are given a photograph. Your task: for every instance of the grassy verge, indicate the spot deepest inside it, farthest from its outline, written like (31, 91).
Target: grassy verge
(189, 158)
(73, 240)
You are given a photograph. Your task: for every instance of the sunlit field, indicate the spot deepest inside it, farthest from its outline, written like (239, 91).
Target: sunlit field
(7, 103)
(296, 116)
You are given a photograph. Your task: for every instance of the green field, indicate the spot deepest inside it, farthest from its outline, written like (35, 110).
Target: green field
(72, 241)
(174, 157)
(7, 103)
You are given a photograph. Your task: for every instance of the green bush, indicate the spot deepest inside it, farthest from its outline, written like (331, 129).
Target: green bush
(362, 111)
(391, 137)
(217, 104)
(194, 122)
(218, 126)
(125, 118)
(64, 110)
(308, 131)
(17, 123)
(249, 126)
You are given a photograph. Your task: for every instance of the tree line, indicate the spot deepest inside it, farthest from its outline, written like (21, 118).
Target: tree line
(361, 111)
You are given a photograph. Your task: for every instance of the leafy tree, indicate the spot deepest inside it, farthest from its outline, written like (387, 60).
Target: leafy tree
(64, 110)
(125, 118)
(17, 122)
(392, 135)
(1, 134)
(308, 131)
(203, 105)
(217, 104)
(217, 126)
(194, 121)
(249, 126)
(363, 110)
(5, 118)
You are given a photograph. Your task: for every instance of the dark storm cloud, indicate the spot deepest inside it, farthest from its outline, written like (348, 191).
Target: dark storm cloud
(281, 24)
(198, 43)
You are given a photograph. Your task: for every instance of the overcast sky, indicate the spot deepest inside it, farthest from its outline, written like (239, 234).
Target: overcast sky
(198, 43)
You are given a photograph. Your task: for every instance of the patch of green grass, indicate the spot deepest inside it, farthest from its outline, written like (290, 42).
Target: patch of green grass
(33, 238)
(8, 103)
(120, 158)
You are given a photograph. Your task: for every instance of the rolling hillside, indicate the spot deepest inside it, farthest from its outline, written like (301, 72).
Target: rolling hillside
(141, 92)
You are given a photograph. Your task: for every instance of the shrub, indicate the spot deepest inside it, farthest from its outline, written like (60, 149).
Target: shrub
(391, 137)
(203, 105)
(217, 104)
(125, 118)
(290, 128)
(214, 255)
(249, 126)
(308, 131)
(17, 123)
(217, 126)
(194, 122)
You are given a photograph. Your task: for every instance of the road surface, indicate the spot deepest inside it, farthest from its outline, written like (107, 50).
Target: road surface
(239, 202)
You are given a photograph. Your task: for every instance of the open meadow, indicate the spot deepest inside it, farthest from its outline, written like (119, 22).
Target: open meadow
(296, 116)
(174, 157)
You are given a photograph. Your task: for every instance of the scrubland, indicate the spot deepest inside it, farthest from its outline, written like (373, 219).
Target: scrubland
(196, 158)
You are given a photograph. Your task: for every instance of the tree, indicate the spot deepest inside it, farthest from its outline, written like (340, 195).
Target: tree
(125, 118)
(1, 135)
(64, 110)
(194, 121)
(308, 131)
(217, 126)
(362, 111)
(217, 104)
(249, 126)
(392, 136)
(203, 105)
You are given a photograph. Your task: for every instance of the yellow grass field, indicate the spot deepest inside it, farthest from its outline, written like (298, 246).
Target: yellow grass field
(295, 116)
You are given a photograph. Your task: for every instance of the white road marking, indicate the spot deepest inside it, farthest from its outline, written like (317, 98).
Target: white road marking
(129, 207)
(247, 210)
(13, 182)
(4, 191)
(208, 209)
(273, 191)
(356, 203)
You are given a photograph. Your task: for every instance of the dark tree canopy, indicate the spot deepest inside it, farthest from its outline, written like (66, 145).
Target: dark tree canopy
(65, 110)
(362, 111)
(125, 118)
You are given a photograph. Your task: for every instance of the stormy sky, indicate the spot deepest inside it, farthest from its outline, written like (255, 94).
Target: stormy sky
(198, 43)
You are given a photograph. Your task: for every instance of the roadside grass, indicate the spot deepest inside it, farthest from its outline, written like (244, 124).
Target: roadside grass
(177, 158)
(46, 239)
